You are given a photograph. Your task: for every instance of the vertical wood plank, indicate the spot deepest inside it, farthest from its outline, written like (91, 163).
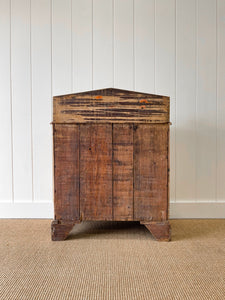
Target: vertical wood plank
(6, 189)
(150, 172)
(96, 171)
(21, 100)
(82, 45)
(102, 44)
(220, 101)
(123, 44)
(66, 167)
(206, 101)
(144, 45)
(186, 101)
(61, 47)
(41, 99)
(123, 172)
(165, 83)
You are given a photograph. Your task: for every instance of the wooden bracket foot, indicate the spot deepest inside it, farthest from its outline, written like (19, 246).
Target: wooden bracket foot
(161, 231)
(61, 229)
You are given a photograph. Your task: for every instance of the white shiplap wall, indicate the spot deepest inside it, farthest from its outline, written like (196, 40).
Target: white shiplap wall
(168, 47)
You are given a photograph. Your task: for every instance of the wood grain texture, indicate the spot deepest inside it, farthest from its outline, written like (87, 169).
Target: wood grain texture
(151, 172)
(161, 231)
(96, 171)
(66, 172)
(121, 168)
(123, 172)
(111, 106)
(60, 230)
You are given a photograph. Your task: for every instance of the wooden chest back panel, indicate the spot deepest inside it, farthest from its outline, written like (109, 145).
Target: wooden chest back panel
(66, 169)
(150, 172)
(96, 172)
(110, 106)
(123, 172)
(111, 171)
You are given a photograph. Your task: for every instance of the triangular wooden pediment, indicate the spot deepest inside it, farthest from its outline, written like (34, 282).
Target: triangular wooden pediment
(110, 105)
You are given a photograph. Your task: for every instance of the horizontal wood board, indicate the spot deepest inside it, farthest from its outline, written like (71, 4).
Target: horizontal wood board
(110, 106)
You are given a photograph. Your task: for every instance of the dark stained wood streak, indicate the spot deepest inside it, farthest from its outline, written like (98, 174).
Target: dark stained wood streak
(116, 112)
(108, 102)
(111, 120)
(123, 172)
(149, 103)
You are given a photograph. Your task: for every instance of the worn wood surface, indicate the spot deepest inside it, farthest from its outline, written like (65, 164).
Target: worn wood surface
(161, 231)
(151, 172)
(96, 172)
(111, 160)
(123, 172)
(60, 230)
(110, 106)
(66, 171)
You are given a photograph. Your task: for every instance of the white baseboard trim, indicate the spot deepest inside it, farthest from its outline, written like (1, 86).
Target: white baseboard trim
(195, 210)
(26, 210)
(177, 210)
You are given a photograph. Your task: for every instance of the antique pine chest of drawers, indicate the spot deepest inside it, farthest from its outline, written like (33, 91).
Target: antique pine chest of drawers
(111, 160)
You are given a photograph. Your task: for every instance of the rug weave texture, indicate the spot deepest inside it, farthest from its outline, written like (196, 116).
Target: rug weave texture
(112, 260)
